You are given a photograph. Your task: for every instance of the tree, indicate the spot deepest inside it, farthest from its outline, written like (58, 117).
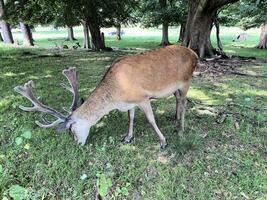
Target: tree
(200, 18)
(6, 34)
(1, 38)
(153, 13)
(263, 37)
(165, 25)
(247, 14)
(26, 13)
(70, 34)
(27, 35)
(253, 14)
(89, 13)
(64, 16)
(123, 13)
(86, 43)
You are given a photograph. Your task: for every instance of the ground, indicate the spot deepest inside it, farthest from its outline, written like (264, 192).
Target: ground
(223, 154)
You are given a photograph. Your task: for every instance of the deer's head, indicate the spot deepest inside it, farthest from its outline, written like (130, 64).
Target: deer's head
(79, 127)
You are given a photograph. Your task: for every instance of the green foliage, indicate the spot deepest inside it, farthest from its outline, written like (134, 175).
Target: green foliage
(245, 14)
(29, 11)
(27, 134)
(119, 12)
(103, 184)
(18, 140)
(17, 192)
(152, 13)
(61, 13)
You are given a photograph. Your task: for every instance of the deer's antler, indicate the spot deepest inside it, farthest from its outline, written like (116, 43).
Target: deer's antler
(26, 91)
(70, 74)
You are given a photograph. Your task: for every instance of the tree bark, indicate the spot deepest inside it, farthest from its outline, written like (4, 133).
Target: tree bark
(70, 34)
(1, 38)
(217, 26)
(165, 26)
(201, 15)
(103, 38)
(6, 32)
(118, 32)
(263, 37)
(182, 32)
(86, 43)
(5, 27)
(165, 34)
(97, 42)
(27, 35)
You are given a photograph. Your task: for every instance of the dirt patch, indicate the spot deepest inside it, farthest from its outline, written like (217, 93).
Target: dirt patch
(228, 66)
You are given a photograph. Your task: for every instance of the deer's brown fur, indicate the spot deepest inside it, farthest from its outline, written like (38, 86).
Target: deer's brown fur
(130, 82)
(134, 79)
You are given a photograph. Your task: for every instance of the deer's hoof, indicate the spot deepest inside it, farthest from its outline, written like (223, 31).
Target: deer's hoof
(163, 146)
(126, 140)
(180, 132)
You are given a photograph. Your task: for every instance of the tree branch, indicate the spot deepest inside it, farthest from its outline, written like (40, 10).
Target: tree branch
(1, 9)
(219, 3)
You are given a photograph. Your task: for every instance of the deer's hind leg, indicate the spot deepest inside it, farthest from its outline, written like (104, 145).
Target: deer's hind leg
(181, 102)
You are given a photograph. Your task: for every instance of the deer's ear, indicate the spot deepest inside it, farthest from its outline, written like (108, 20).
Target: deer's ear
(65, 125)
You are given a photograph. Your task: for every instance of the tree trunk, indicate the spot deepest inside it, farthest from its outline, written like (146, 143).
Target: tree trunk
(165, 34)
(201, 15)
(70, 34)
(182, 32)
(103, 38)
(217, 26)
(6, 32)
(1, 38)
(97, 42)
(263, 37)
(118, 31)
(5, 27)
(86, 43)
(27, 36)
(165, 26)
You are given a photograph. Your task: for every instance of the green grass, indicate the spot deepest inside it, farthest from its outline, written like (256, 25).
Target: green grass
(212, 161)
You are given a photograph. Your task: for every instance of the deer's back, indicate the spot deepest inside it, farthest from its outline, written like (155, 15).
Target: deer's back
(153, 74)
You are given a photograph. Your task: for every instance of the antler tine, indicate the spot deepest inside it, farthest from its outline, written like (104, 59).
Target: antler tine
(26, 91)
(70, 74)
(48, 125)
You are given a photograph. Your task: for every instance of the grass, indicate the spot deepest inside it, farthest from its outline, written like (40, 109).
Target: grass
(226, 160)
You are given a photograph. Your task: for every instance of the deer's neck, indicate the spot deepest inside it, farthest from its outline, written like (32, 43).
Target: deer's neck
(99, 103)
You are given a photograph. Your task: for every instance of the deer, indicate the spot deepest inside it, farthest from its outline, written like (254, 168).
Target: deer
(130, 82)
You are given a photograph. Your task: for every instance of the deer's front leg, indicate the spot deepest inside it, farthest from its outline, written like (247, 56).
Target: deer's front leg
(128, 137)
(145, 106)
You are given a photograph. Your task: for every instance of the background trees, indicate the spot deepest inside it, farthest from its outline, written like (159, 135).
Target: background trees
(248, 14)
(6, 34)
(201, 15)
(27, 13)
(153, 13)
(195, 17)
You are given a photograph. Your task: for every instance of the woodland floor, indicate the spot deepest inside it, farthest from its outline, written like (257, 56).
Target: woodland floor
(223, 154)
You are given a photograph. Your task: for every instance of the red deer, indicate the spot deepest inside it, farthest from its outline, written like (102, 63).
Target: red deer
(130, 82)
